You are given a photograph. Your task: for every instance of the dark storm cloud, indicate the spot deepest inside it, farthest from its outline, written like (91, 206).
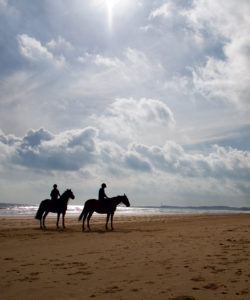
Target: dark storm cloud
(69, 151)
(75, 149)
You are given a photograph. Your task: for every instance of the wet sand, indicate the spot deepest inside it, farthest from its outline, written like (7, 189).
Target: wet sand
(147, 257)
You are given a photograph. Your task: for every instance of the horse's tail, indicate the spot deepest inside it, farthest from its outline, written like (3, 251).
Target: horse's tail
(81, 215)
(39, 212)
(83, 211)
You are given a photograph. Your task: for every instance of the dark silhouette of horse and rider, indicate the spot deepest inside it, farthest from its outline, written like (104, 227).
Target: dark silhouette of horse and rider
(58, 204)
(54, 205)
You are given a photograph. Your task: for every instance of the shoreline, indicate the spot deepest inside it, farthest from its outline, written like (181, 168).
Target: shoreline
(23, 222)
(175, 257)
(30, 210)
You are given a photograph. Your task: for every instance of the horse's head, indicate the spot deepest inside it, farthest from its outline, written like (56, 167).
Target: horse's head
(70, 194)
(125, 200)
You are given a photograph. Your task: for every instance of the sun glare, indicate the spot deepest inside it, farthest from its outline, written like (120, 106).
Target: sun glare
(113, 7)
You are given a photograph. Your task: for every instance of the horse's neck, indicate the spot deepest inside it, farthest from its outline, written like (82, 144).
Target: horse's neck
(117, 200)
(64, 199)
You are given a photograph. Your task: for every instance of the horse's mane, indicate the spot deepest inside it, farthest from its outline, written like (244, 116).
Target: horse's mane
(118, 196)
(115, 197)
(64, 193)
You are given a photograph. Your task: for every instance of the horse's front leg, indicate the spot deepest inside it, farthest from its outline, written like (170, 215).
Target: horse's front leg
(107, 220)
(57, 222)
(63, 215)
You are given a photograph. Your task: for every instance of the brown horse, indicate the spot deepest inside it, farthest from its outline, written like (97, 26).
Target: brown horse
(56, 206)
(109, 208)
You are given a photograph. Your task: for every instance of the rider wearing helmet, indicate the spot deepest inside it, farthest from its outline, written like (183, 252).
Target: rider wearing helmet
(102, 195)
(54, 193)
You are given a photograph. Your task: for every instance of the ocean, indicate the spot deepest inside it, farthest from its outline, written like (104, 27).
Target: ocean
(8, 209)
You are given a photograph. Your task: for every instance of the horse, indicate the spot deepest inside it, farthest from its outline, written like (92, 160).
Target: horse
(93, 205)
(56, 206)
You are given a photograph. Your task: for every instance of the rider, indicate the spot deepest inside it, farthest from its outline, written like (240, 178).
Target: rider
(102, 195)
(54, 193)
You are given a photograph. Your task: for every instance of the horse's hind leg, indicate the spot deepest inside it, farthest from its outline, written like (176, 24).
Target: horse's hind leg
(41, 224)
(112, 215)
(83, 220)
(107, 220)
(88, 219)
(44, 216)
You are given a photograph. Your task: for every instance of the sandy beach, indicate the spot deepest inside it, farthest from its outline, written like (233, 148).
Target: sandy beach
(177, 257)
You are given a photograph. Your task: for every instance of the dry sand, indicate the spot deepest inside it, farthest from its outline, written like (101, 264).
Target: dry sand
(146, 257)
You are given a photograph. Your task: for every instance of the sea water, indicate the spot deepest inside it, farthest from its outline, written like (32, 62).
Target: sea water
(8, 209)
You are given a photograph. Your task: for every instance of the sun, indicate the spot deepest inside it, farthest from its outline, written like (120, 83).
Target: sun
(113, 8)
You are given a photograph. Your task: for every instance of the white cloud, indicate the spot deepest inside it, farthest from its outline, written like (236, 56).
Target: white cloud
(219, 17)
(222, 172)
(108, 77)
(146, 28)
(133, 66)
(7, 9)
(106, 61)
(15, 87)
(221, 26)
(165, 10)
(33, 50)
(39, 149)
(225, 78)
(60, 43)
(139, 67)
(3, 4)
(145, 120)
(219, 163)
(74, 149)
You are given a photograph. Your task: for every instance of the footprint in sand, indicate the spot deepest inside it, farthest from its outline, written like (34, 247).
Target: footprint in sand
(135, 290)
(198, 278)
(211, 286)
(113, 289)
(183, 298)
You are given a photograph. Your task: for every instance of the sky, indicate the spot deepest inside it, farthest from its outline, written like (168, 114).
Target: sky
(151, 97)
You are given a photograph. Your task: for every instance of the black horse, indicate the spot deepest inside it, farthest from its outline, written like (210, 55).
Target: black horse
(56, 206)
(93, 205)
